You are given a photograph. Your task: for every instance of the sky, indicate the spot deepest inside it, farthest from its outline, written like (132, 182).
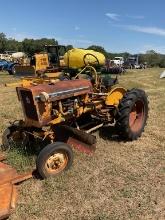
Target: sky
(117, 25)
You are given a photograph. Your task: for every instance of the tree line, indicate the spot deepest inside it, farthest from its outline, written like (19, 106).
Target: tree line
(151, 57)
(31, 46)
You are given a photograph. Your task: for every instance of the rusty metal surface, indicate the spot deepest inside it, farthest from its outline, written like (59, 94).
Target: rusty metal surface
(6, 198)
(2, 157)
(38, 113)
(8, 190)
(63, 86)
(85, 148)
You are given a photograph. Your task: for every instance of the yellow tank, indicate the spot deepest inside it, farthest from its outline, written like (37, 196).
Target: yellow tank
(78, 58)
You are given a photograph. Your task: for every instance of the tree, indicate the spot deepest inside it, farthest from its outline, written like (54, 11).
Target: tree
(13, 45)
(3, 42)
(162, 62)
(98, 49)
(152, 58)
(69, 47)
(31, 46)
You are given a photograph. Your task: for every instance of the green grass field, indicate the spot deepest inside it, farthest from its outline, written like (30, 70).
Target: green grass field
(123, 180)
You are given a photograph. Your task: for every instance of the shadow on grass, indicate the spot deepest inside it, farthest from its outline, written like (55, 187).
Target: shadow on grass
(110, 133)
(23, 157)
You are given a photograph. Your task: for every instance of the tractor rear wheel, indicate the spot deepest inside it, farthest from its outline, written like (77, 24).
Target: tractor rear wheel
(53, 159)
(132, 114)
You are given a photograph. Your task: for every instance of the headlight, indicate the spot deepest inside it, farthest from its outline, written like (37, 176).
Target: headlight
(44, 97)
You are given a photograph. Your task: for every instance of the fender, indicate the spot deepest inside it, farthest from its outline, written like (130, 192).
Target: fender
(115, 95)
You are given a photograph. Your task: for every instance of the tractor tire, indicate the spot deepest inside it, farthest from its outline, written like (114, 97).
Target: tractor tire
(11, 136)
(5, 140)
(132, 114)
(12, 70)
(53, 159)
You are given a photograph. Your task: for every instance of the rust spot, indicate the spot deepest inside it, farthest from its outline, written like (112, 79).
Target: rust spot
(85, 148)
(8, 190)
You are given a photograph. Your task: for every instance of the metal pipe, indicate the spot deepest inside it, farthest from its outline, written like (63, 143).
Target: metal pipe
(100, 93)
(94, 128)
(61, 109)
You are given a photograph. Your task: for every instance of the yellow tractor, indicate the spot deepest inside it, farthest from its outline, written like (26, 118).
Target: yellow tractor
(64, 113)
(56, 64)
(42, 63)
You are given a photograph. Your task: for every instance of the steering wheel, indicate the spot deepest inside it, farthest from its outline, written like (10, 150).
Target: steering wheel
(92, 70)
(90, 54)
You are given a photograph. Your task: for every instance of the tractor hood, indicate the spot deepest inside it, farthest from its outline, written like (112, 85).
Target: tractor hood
(37, 100)
(62, 89)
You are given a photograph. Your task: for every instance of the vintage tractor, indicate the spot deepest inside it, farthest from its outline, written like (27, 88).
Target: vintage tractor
(63, 114)
(49, 61)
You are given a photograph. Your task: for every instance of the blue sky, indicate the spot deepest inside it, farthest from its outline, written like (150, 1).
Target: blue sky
(117, 25)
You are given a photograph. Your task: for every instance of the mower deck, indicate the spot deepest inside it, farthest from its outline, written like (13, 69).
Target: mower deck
(8, 188)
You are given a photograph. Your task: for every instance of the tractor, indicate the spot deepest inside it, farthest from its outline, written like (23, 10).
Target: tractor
(49, 61)
(65, 113)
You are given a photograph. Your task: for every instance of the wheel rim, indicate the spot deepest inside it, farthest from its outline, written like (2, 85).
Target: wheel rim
(56, 162)
(136, 117)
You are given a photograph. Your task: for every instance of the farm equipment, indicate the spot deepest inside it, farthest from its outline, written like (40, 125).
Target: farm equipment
(111, 68)
(63, 114)
(62, 67)
(9, 180)
(7, 66)
(132, 62)
(41, 63)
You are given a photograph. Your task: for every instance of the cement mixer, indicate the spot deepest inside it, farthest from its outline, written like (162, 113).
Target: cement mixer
(79, 58)
(18, 55)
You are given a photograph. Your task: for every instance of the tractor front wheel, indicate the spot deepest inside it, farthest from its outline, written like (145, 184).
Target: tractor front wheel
(53, 159)
(132, 114)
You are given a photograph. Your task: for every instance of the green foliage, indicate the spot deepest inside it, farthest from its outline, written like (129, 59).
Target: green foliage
(69, 47)
(31, 46)
(107, 54)
(162, 62)
(152, 58)
(3, 42)
(98, 49)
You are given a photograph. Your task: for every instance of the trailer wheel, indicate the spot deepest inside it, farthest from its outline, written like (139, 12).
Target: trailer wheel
(53, 159)
(132, 114)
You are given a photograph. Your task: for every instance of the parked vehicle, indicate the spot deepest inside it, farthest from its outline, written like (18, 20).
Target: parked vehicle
(119, 61)
(7, 66)
(7, 55)
(132, 62)
(111, 68)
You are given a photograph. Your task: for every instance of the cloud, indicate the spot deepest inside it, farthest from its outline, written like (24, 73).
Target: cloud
(77, 42)
(136, 16)
(113, 16)
(76, 28)
(22, 35)
(84, 41)
(148, 30)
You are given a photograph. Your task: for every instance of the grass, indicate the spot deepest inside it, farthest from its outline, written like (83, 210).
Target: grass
(123, 180)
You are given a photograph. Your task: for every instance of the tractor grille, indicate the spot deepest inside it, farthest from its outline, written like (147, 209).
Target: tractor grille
(28, 104)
